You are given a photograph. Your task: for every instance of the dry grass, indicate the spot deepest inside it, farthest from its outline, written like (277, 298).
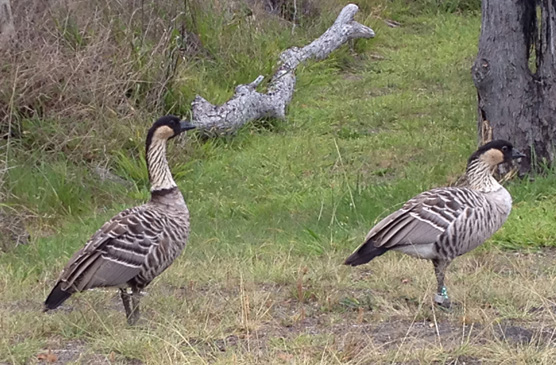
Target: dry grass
(76, 64)
(318, 312)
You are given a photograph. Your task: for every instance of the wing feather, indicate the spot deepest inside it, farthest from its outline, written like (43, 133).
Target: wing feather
(114, 255)
(420, 221)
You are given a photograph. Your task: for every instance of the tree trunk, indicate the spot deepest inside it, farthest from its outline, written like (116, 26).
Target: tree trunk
(7, 30)
(516, 91)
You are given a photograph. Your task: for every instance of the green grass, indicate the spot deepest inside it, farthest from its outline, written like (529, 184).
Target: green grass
(277, 207)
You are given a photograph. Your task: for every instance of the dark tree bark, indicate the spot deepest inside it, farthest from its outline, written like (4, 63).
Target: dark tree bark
(515, 76)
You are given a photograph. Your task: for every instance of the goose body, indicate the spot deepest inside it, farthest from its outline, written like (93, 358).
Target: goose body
(139, 243)
(443, 223)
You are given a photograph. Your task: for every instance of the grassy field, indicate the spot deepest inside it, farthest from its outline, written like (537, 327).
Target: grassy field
(274, 211)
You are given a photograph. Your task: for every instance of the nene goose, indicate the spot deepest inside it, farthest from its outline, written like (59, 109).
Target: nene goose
(138, 244)
(443, 223)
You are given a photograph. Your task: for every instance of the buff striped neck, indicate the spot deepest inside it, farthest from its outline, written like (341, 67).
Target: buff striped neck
(480, 178)
(160, 175)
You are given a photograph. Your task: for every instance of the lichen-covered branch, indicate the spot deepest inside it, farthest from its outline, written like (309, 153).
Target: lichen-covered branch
(247, 104)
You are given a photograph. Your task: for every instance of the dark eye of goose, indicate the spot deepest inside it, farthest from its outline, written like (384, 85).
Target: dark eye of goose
(504, 148)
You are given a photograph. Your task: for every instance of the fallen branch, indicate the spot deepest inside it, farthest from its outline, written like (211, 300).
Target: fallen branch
(247, 104)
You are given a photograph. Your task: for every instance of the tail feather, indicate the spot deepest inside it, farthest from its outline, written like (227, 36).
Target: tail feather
(56, 297)
(364, 254)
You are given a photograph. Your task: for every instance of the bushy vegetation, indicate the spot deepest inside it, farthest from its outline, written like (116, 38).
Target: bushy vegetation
(87, 78)
(276, 207)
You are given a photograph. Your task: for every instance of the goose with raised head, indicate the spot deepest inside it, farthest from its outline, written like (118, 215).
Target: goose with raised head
(138, 244)
(443, 223)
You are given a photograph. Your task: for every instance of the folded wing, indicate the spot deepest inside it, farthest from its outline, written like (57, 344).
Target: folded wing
(419, 222)
(113, 256)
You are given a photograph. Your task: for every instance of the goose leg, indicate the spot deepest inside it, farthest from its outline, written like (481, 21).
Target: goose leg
(441, 296)
(126, 300)
(135, 312)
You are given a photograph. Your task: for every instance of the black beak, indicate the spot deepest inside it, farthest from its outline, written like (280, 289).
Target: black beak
(186, 125)
(517, 154)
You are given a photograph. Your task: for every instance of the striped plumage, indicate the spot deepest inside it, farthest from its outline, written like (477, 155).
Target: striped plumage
(138, 244)
(443, 223)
